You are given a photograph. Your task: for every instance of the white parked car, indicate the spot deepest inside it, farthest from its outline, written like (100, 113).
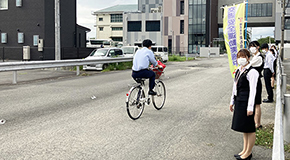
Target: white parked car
(102, 53)
(129, 51)
(160, 51)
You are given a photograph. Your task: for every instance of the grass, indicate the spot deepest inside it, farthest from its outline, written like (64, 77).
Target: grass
(179, 58)
(264, 137)
(119, 66)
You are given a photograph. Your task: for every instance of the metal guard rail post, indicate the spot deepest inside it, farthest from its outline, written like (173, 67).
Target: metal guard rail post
(278, 142)
(17, 66)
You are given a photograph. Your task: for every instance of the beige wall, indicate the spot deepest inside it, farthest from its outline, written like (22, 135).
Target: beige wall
(107, 25)
(173, 27)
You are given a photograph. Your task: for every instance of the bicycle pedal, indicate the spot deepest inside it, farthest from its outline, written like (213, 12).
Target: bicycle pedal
(148, 101)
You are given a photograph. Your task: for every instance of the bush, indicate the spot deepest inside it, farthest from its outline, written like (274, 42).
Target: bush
(179, 58)
(119, 66)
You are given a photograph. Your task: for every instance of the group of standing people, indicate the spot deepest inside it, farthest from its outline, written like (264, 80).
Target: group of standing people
(246, 96)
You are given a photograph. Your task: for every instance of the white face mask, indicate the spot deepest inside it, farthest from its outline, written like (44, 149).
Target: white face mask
(242, 61)
(264, 51)
(253, 49)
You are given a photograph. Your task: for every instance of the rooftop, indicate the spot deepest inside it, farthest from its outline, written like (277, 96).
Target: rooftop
(120, 8)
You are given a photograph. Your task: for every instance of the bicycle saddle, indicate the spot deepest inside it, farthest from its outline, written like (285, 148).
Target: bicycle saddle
(139, 80)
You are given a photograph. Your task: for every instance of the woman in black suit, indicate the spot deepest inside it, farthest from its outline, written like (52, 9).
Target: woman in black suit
(243, 103)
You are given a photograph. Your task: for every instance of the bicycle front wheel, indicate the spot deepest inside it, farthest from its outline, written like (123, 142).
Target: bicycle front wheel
(159, 99)
(135, 103)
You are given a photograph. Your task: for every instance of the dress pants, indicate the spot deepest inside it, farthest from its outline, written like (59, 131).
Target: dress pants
(267, 78)
(145, 73)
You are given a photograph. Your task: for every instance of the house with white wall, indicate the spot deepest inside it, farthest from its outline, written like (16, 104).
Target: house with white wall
(109, 21)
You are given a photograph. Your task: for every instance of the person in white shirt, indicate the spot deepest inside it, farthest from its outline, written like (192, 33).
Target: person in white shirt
(141, 62)
(275, 54)
(243, 102)
(257, 62)
(268, 71)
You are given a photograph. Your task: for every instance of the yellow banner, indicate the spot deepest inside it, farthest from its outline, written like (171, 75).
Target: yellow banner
(233, 27)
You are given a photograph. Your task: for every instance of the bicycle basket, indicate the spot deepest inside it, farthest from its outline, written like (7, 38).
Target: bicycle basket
(158, 72)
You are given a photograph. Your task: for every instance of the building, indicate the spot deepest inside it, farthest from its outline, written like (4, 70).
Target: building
(147, 23)
(24, 23)
(278, 23)
(191, 24)
(109, 21)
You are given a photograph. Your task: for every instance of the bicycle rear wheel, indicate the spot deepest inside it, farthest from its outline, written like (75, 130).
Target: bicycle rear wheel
(135, 106)
(159, 99)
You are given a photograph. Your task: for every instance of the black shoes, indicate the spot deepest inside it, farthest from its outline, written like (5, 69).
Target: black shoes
(237, 155)
(248, 158)
(267, 101)
(151, 92)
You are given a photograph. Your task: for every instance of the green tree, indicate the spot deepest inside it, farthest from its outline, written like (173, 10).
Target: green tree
(266, 40)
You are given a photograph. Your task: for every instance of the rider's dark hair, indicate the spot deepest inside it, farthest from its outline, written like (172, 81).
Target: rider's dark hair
(147, 43)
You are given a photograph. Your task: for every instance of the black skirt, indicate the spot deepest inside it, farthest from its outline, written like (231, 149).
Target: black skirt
(258, 98)
(241, 122)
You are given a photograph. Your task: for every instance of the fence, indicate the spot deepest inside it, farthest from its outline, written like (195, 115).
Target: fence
(278, 141)
(17, 66)
(48, 53)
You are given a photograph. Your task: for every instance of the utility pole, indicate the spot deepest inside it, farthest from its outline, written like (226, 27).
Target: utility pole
(282, 30)
(57, 30)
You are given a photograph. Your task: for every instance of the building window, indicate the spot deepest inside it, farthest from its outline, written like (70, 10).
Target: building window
(117, 39)
(181, 7)
(20, 37)
(117, 28)
(181, 26)
(101, 28)
(3, 37)
(3, 4)
(116, 18)
(35, 40)
(100, 19)
(287, 23)
(134, 26)
(152, 26)
(18, 3)
(260, 10)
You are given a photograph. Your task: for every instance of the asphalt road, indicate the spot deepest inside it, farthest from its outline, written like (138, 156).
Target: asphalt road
(57, 119)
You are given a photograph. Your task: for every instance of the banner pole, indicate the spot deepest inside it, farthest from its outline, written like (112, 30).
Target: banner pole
(246, 25)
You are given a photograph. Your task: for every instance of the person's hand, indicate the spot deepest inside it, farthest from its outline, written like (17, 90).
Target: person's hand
(159, 66)
(273, 74)
(249, 113)
(231, 108)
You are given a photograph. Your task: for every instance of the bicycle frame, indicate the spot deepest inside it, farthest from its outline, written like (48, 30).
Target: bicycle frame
(139, 98)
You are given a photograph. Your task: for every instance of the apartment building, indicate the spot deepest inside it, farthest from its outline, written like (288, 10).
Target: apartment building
(109, 21)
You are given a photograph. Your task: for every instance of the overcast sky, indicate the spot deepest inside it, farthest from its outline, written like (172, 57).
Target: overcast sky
(86, 19)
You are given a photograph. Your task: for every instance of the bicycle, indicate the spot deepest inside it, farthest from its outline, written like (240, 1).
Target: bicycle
(136, 97)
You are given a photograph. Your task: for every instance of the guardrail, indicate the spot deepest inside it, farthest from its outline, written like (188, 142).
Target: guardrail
(278, 141)
(17, 66)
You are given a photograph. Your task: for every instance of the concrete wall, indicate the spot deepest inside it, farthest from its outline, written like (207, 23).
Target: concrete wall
(278, 24)
(145, 5)
(129, 38)
(209, 52)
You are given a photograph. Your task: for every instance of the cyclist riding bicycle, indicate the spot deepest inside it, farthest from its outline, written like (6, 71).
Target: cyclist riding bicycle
(141, 64)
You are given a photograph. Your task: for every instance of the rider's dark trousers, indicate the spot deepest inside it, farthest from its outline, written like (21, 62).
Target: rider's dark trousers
(145, 73)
